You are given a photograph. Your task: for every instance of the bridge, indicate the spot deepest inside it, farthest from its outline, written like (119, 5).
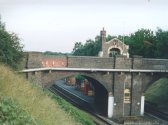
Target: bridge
(119, 81)
(110, 77)
(93, 70)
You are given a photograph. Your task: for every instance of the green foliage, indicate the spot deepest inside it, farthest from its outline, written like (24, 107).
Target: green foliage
(161, 43)
(80, 77)
(90, 48)
(49, 53)
(11, 51)
(12, 114)
(77, 114)
(157, 93)
(143, 42)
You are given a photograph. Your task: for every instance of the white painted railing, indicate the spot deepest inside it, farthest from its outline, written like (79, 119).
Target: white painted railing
(93, 70)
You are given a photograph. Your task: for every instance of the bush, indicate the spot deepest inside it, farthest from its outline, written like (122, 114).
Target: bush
(11, 52)
(12, 114)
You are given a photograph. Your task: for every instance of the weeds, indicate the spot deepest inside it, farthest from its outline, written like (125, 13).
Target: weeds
(12, 114)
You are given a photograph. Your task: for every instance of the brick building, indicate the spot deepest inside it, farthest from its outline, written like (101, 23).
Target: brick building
(113, 47)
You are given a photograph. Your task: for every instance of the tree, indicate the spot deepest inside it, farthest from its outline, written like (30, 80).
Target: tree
(50, 53)
(77, 49)
(161, 43)
(11, 52)
(143, 42)
(90, 48)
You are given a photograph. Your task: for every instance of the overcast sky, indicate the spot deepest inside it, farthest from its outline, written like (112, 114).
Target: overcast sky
(55, 25)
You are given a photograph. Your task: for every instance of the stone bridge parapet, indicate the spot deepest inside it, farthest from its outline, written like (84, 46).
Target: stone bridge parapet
(38, 60)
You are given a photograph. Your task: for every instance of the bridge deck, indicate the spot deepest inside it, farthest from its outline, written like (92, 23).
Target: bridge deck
(93, 70)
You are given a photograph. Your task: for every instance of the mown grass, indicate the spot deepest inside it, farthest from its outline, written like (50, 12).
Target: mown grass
(43, 109)
(157, 93)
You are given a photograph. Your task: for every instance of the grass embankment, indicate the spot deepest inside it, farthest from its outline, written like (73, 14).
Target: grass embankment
(77, 114)
(157, 93)
(43, 109)
(12, 114)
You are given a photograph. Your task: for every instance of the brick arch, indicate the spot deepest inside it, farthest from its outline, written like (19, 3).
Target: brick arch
(48, 79)
(101, 90)
(113, 47)
(95, 79)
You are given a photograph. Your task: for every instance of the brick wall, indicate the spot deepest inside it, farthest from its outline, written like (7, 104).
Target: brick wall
(158, 64)
(90, 62)
(34, 60)
(122, 62)
(54, 62)
(37, 60)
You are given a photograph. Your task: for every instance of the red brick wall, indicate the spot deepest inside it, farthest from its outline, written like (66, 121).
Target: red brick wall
(54, 62)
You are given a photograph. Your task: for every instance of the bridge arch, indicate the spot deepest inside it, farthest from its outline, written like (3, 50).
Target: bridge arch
(101, 95)
(48, 79)
(100, 89)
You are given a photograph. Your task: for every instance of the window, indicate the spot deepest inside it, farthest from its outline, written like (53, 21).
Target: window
(113, 52)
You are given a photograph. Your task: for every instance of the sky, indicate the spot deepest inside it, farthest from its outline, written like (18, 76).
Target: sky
(55, 25)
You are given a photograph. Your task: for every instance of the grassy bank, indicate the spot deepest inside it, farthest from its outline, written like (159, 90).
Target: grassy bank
(43, 109)
(77, 114)
(157, 93)
(12, 114)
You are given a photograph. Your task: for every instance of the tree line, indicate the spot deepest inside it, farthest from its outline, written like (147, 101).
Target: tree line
(11, 50)
(143, 42)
